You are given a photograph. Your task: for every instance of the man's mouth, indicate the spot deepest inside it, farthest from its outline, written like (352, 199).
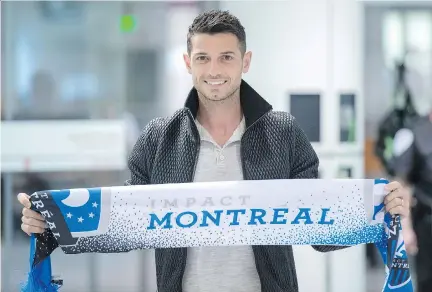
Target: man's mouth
(216, 82)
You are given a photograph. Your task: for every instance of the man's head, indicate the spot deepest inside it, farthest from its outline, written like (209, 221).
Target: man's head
(217, 57)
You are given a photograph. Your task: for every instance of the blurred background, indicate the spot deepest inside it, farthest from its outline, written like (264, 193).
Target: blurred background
(80, 79)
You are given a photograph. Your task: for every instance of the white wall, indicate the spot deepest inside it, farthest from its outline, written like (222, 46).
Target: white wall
(91, 44)
(177, 82)
(309, 46)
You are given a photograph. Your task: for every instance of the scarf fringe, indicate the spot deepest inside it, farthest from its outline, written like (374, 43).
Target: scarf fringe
(39, 278)
(33, 284)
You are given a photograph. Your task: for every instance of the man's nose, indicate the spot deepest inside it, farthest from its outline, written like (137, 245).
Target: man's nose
(215, 68)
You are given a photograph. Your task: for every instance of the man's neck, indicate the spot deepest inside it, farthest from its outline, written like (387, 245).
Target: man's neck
(220, 119)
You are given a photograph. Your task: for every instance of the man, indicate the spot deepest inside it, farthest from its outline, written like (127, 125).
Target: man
(402, 115)
(226, 131)
(412, 162)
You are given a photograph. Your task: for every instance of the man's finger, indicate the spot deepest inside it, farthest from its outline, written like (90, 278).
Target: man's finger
(394, 203)
(393, 195)
(32, 214)
(31, 229)
(24, 199)
(32, 222)
(398, 210)
(393, 186)
(23, 228)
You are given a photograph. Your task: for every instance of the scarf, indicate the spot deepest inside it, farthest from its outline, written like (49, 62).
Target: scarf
(263, 212)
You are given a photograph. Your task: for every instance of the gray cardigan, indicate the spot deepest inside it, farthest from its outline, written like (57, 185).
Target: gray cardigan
(272, 147)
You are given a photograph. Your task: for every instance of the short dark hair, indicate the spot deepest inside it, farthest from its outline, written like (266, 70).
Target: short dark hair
(217, 21)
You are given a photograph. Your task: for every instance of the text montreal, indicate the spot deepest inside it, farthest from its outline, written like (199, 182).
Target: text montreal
(276, 216)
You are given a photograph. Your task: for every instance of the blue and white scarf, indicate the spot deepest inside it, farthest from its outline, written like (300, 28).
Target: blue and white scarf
(268, 212)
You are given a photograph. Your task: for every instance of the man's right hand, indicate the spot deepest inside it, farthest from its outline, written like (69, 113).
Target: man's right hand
(32, 222)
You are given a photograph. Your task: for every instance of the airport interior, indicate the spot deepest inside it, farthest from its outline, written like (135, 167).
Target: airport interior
(81, 79)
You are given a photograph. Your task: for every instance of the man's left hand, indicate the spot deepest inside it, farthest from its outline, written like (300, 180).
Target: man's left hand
(397, 201)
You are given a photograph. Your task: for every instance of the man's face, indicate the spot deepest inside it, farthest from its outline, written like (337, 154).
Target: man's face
(216, 65)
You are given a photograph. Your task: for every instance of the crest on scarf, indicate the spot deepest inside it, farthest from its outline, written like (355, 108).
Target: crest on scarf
(77, 213)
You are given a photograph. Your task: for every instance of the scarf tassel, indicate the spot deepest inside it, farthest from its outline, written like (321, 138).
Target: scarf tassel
(39, 278)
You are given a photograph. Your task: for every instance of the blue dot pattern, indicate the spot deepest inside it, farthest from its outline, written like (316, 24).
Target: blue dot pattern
(127, 229)
(131, 207)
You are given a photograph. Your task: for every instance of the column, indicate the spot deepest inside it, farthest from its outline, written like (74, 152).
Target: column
(176, 82)
(306, 48)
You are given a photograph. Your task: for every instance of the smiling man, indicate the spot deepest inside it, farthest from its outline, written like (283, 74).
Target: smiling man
(225, 132)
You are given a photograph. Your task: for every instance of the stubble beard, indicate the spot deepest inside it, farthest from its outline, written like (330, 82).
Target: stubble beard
(227, 98)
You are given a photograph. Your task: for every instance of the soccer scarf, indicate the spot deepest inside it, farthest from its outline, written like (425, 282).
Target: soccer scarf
(263, 212)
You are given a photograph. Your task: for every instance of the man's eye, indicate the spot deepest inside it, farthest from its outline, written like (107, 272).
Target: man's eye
(201, 58)
(227, 58)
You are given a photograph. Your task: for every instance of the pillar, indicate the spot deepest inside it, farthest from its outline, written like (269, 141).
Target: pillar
(314, 47)
(177, 82)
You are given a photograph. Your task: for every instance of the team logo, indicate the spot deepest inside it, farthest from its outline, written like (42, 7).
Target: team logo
(86, 212)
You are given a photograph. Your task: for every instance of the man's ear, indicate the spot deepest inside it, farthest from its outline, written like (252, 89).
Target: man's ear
(187, 61)
(247, 58)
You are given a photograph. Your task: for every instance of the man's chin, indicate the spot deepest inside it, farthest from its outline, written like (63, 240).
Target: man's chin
(218, 97)
(215, 96)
